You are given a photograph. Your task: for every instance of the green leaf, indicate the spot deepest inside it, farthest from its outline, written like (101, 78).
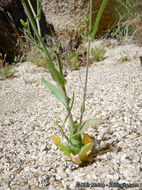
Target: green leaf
(70, 130)
(56, 122)
(56, 140)
(98, 18)
(90, 123)
(85, 151)
(56, 75)
(76, 126)
(28, 27)
(38, 16)
(74, 150)
(87, 139)
(64, 148)
(59, 64)
(23, 23)
(75, 142)
(83, 107)
(55, 91)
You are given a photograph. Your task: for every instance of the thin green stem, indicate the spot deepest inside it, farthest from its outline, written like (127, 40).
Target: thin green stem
(86, 74)
(35, 30)
(71, 122)
(63, 133)
(34, 14)
(37, 20)
(68, 115)
(69, 111)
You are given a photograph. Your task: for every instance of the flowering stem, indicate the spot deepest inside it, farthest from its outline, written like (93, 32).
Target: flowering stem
(86, 75)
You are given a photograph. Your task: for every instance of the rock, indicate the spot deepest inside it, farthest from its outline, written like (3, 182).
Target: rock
(77, 11)
(10, 14)
(33, 182)
(25, 187)
(51, 188)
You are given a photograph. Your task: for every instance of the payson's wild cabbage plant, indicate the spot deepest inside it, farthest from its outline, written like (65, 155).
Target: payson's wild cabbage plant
(79, 144)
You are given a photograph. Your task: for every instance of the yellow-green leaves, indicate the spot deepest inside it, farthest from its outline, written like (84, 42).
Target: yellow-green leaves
(65, 148)
(56, 140)
(87, 139)
(98, 53)
(26, 25)
(83, 155)
(78, 155)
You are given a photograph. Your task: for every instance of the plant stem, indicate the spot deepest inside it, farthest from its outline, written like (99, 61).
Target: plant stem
(34, 14)
(47, 55)
(65, 97)
(88, 53)
(71, 122)
(35, 29)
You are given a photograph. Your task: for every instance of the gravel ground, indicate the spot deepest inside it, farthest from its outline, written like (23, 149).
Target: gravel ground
(28, 157)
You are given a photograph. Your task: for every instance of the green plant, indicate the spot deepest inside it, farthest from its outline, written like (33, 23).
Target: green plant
(82, 28)
(98, 53)
(37, 57)
(39, 60)
(78, 145)
(7, 71)
(74, 60)
(124, 57)
(128, 14)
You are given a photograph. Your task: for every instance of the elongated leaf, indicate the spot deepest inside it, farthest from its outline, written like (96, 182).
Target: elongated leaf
(83, 107)
(85, 151)
(98, 18)
(87, 139)
(56, 75)
(26, 25)
(90, 123)
(64, 148)
(74, 150)
(76, 126)
(75, 142)
(56, 140)
(59, 64)
(55, 91)
(23, 23)
(70, 130)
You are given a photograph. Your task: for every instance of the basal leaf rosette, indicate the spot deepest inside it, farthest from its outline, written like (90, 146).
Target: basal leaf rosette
(77, 155)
